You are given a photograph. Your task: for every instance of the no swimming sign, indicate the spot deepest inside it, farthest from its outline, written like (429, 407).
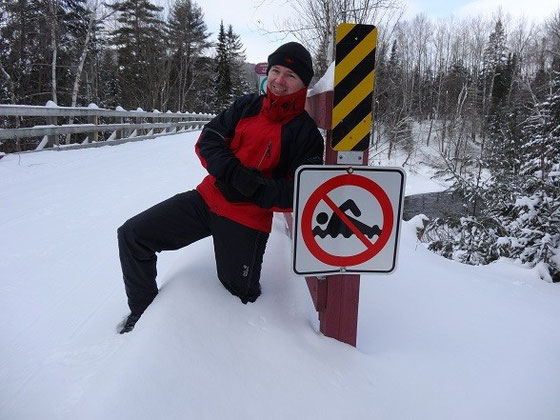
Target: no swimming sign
(347, 219)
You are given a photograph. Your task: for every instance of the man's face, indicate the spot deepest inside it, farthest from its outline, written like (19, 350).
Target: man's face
(283, 81)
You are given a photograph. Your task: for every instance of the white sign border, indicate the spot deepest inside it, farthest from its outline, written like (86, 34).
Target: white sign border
(348, 169)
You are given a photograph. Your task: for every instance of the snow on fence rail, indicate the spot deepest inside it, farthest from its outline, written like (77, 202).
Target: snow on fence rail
(103, 127)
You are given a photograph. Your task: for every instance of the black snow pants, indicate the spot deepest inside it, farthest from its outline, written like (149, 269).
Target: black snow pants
(175, 223)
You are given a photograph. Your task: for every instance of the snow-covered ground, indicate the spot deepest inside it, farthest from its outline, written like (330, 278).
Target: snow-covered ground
(436, 339)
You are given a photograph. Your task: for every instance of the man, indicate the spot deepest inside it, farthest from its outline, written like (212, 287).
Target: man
(251, 152)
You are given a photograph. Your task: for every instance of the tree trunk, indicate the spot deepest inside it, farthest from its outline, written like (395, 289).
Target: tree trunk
(83, 56)
(80, 68)
(11, 91)
(53, 6)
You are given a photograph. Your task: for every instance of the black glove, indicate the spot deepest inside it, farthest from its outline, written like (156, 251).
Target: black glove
(246, 181)
(230, 193)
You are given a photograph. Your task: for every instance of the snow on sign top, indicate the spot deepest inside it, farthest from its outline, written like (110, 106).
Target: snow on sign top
(347, 219)
(325, 83)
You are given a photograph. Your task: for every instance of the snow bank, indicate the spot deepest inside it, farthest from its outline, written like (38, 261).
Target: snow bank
(436, 339)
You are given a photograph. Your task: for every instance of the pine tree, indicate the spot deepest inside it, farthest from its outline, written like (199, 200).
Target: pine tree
(534, 220)
(203, 92)
(521, 214)
(24, 51)
(107, 94)
(495, 61)
(230, 81)
(391, 99)
(504, 119)
(223, 86)
(34, 36)
(240, 85)
(188, 40)
(495, 53)
(139, 41)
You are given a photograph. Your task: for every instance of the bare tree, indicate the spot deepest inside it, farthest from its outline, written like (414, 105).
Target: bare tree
(313, 22)
(53, 24)
(96, 15)
(94, 7)
(553, 29)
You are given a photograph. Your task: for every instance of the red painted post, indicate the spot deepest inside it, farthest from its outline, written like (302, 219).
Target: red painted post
(335, 297)
(339, 319)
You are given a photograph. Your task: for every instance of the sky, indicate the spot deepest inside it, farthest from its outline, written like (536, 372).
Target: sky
(250, 17)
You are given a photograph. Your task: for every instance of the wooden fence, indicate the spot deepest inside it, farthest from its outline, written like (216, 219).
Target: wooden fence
(94, 127)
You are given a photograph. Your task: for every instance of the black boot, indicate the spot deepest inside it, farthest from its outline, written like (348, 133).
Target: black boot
(130, 323)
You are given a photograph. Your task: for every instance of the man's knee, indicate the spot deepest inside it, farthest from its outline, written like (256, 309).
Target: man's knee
(130, 236)
(125, 233)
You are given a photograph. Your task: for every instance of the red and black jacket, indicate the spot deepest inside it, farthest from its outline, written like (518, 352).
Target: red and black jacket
(273, 134)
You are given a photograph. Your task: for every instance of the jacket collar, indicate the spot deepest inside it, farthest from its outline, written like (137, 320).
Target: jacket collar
(284, 108)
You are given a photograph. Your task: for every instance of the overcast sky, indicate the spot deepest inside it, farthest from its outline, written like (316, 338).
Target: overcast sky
(247, 16)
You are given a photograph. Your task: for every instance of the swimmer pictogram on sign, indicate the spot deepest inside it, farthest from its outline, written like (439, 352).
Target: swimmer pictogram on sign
(335, 225)
(347, 219)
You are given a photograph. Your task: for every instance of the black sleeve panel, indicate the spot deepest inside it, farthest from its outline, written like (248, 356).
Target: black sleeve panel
(213, 144)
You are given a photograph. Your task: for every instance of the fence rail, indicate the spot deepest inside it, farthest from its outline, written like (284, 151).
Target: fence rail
(103, 127)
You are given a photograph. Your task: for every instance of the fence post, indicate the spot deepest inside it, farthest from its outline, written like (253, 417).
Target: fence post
(119, 120)
(93, 119)
(52, 139)
(139, 131)
(18, 141)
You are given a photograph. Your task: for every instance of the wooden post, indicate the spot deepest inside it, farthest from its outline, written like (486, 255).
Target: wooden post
(336, 297)
(339, 318)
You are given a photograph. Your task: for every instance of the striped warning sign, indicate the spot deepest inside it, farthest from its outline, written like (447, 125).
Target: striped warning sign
(353, 86)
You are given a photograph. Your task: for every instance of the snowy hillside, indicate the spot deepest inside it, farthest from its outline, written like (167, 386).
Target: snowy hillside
(436, 340)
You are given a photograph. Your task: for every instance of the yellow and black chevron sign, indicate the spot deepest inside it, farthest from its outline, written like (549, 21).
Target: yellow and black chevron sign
(353, 86)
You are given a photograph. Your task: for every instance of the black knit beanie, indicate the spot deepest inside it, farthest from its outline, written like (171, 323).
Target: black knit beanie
(295, 57)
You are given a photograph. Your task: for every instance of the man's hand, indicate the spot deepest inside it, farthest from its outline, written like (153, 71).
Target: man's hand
(246, 181)
(243, 185)
(230, 193)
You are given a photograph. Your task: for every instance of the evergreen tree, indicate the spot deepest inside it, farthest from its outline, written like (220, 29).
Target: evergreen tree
(393, 114)
(230, 81)
(28, 34)
(188, 40)
(534, 220)
(495, 65)
(236, 52)
(495, 53)
(25, 51)
(223, 87)
(520, 218)
(108, 93)
(139, 41)
(203, 92)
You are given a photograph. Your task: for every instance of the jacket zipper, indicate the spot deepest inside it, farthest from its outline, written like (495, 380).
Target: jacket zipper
(266, 154)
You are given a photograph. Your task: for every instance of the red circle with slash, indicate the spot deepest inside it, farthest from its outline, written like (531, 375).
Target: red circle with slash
(321, 194)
